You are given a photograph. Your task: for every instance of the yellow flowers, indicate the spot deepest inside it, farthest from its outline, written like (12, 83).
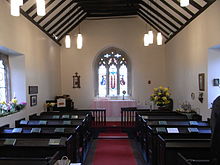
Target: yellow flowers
(14, 101)
(161, 96)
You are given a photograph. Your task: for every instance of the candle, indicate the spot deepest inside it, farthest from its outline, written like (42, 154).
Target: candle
(14, 95)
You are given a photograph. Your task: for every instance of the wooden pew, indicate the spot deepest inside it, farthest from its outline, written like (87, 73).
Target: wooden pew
(169, 144)
(34, 147)
(69, 133)
(27, 159)
(193, 159)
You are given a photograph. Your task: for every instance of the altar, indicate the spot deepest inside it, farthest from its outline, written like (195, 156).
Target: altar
(113, 107)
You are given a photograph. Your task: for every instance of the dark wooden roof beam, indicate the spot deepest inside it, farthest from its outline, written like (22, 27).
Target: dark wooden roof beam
(112, 14)
(151, 24)
(174, 9)
(166, 12)
(72, 25)
(60, 12)
(54, 31)
(184, 8)
(155, 18)
(154, 22)
(158, 14)
(51, 11)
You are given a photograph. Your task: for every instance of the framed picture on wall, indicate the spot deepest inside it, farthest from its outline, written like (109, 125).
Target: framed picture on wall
(201, 81)
(33, 89)
(33, 100)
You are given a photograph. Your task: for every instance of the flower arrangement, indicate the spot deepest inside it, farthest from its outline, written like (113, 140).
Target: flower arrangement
(11, 107)
(49, 106)
(161, 96)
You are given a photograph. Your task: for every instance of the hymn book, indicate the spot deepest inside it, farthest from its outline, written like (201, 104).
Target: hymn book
(56, 117)
(193, 123)
(75, 117)
(161, 129)
(172, 130)
(65, 116)
(23, 122)
(35, 130)
(42, 122)
(162, 123)
(66, 122)
(193, 130)
(17, 130)
(10, 142)
(59, 130)
(54, 141)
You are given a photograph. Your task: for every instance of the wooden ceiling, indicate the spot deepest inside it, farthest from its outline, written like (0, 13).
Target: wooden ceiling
(62, 16)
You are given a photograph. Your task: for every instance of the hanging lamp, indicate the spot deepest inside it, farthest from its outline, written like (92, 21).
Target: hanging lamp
(159, 38)
(151, 37)
(146, 39)
(41, 10)
(184, 3)
(79, 40)
(67, 41)
(15, 7)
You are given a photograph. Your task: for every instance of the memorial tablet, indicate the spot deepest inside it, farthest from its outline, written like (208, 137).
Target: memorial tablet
(35, 130)
(17, 130)
(10, 142)
(172, 130)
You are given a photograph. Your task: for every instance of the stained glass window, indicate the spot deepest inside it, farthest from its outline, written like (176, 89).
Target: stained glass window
(113, 72)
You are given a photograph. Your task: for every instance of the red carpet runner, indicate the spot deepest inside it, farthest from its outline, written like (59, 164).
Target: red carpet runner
(114, 152)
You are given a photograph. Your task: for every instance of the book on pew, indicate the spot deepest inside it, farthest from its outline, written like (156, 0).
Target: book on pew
(172, 130)
(35, 130)
(54, 141)
(59, 130)
(193, 123)
(66, 122)
(23, 122)
(161, 129)
(55, 116)
(43, 122)
(17, 130)
(162, 123)
(75, 117)
(10, 142)
(65, 116)
(193, 130)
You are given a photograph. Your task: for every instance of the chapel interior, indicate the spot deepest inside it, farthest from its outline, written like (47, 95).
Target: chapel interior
(109, 82)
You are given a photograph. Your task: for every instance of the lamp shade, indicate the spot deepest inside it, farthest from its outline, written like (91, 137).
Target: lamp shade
(79, 41)
(159, 38)
(41, 11)
(67, 41)
(184, 3)
(15, 7)
(146, 40)
(151, 37)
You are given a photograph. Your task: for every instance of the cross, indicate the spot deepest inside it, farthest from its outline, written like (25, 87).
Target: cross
(117, 55)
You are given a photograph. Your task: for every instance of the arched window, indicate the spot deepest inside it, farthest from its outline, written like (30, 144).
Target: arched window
(112, 73)
(4, 78)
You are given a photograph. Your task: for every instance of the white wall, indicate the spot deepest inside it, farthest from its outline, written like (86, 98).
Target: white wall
(187, 56)
(213, 73)
(126, 34)
(42, 59)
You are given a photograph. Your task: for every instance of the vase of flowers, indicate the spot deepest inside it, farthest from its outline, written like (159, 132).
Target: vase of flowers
(11, 106)
(161, 96)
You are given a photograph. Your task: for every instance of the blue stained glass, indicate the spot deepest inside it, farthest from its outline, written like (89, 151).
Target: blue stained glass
(113, 80)
(123, 72)
(102, 81)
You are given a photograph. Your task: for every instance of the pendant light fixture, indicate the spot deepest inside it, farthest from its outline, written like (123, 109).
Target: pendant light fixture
(79, 40)
(15, 7)
(151, 37)
(184, 3)
(41, 10)
(67, 41)
(159, 38)
(146, 39)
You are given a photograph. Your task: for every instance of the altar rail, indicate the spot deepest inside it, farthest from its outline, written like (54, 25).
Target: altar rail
(98, 115)
(128, 116)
